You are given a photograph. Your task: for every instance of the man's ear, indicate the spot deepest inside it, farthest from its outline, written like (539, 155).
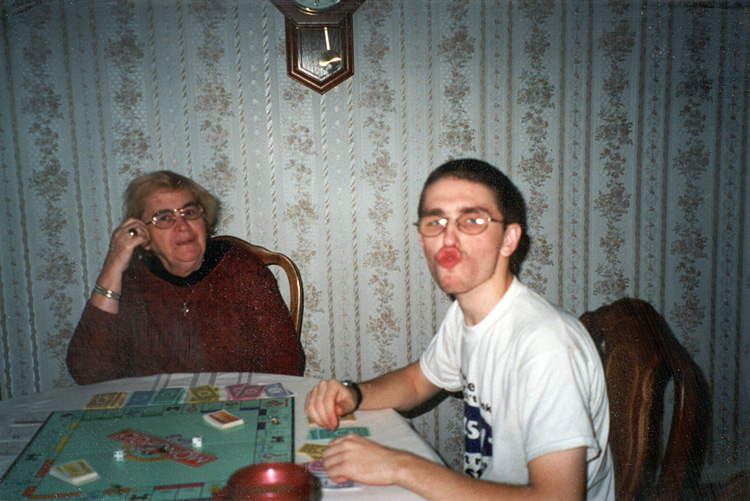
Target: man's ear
(511, 239)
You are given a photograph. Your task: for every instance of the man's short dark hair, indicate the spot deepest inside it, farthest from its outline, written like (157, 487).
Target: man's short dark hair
(509, 199)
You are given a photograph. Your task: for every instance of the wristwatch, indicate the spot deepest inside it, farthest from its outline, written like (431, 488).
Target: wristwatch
(354, 386)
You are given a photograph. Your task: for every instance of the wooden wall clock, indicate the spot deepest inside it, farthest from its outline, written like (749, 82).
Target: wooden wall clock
(319, 41)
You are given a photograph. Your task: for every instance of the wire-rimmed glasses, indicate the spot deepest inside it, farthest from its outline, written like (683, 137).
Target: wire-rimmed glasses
(166, 218)
(471, 223)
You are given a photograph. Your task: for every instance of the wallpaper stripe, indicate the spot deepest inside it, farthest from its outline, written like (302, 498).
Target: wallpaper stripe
(711, 197)
(154, 75)
(328, 238)
(667, 155)
(559, 103)
(104, 155)
(270, 138)
(403, 156)
(353, 174)
(186, 112)
(739, 349)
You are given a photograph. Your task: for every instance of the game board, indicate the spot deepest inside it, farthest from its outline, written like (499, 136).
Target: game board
(160, 460)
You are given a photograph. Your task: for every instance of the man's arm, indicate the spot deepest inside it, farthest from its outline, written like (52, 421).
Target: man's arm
(557, 475)
(401, 389)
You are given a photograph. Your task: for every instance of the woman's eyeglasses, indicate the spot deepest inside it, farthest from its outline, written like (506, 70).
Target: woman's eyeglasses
(166, 218)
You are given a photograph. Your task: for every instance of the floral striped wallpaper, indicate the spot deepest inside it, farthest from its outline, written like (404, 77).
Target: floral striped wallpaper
(625, 123)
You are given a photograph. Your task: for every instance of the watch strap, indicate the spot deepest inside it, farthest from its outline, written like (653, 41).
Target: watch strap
(354, 386)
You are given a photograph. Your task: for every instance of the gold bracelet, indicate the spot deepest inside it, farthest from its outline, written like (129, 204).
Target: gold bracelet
(107, 293)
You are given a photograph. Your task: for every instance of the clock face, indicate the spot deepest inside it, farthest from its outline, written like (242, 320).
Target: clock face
(317, 5)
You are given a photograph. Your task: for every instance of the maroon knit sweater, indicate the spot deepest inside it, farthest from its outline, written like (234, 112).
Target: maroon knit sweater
(237, 322)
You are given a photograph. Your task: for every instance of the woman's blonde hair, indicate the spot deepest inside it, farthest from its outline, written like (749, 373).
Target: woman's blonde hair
(142, 187)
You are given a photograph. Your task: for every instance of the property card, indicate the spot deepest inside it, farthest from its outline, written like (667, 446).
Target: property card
(342, 419)
(222, 419)
(315, 451)
(244, 391)
(75, 472)
(168, 396)
(204, 393)
(138, 398)
(106, 401)
(276, 390)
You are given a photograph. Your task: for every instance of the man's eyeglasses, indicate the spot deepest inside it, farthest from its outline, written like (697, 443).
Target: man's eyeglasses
(471, 223)
(166, 218)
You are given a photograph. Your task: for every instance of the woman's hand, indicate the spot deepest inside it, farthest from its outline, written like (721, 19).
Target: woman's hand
(129, 235)
(126, 237)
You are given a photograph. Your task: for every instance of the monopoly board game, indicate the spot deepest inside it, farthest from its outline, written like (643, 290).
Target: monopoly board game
(161, 460)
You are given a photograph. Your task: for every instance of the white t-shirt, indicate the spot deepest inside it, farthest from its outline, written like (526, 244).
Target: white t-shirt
(533, 383)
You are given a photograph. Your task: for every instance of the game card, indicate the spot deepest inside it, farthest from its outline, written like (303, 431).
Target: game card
(315, 451)
(222, 419)
(323, 434)
(244, 391)
(168, 396)
(276, 390)
(140, 398)
(204, 393)
(75, 472)
(346, 417)
(319, 472)
(106, 401)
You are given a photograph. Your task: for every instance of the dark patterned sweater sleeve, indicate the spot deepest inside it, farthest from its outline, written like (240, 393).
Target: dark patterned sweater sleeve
(93, 353)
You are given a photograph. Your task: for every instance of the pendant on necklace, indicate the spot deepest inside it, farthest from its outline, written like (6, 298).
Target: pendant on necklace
(185, 309)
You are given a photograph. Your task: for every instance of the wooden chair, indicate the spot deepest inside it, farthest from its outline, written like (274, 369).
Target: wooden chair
(296, 298)
(640, 355)
(737, 487)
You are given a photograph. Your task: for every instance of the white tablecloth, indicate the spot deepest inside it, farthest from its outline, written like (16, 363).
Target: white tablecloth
(21, 418)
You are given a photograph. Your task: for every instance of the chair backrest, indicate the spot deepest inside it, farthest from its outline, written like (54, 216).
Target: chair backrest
(737, 487)
(296, 297)
(640, 355)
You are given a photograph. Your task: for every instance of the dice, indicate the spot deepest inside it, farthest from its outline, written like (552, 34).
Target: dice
(119, 454)
(197, 441)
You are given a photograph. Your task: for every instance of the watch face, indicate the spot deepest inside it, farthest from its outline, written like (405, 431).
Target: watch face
(317, 5)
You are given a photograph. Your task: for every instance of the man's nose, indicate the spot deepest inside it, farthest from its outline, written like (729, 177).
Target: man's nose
(450, 233)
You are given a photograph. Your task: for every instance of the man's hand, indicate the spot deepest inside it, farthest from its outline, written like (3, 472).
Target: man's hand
(329, 400)
(353, 457)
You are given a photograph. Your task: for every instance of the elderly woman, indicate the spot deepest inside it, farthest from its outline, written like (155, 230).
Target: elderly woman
(168, 299)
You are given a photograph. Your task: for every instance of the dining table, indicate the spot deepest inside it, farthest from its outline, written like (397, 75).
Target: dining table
(22, 418)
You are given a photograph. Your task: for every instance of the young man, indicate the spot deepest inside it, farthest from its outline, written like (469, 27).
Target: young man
(536, 413)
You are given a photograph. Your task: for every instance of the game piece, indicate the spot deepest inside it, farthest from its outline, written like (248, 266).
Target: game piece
(198, 441)
(119, 454)
(204, 393)
(222, 420)
(75, 472)
(107, 401)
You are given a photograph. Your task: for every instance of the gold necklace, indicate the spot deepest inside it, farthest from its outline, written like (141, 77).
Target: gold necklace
(185, 308)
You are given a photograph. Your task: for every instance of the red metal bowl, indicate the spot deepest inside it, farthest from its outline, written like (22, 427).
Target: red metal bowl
(268, 481)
